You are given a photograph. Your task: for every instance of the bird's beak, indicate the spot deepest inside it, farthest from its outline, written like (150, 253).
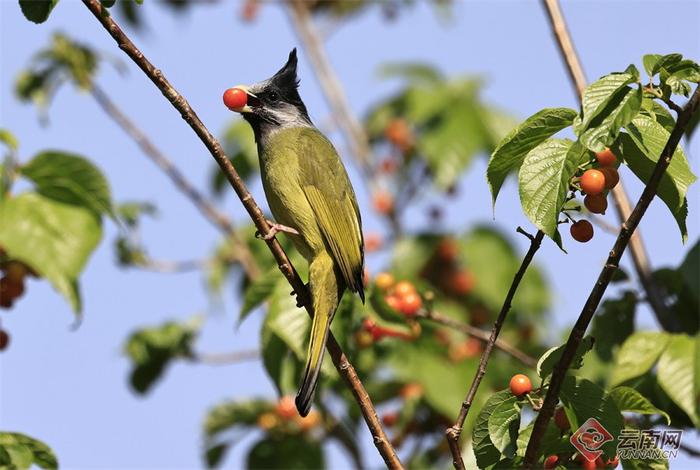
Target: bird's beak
(252, 101)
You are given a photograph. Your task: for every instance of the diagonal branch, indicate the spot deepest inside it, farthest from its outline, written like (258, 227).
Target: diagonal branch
(216, 217)
(594, 298)
(479, 334)
(340, 360)
(453, 432)
(623, 206)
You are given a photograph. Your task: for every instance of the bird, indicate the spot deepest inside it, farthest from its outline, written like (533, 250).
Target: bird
(311, 199)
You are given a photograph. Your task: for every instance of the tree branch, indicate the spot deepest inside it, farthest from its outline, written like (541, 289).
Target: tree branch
(594, 298)
(623, 206)
(344, 367)
(216, 217)
(479, 334)
(227, 358)
(452, 433)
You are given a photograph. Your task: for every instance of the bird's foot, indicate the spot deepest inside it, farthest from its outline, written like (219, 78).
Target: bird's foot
(276, 228)
(303, 298)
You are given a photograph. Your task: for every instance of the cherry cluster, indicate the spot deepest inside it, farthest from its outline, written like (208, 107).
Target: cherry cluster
(285, 417)
(595, 182)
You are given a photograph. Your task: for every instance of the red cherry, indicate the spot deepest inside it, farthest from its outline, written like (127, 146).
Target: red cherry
(551, 461)
(520, 385)
(596, 204)
(614, 462)
(373, 242)
(593, 182)
(612, 177)
(393, 301)
(383, 202)
(235, 98)
(606, 158)
(560, 419)
(581, 231)
(404, 288)
(390, 419)
(410, 304)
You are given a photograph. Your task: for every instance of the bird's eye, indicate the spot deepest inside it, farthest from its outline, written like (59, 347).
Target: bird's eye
(273, 96)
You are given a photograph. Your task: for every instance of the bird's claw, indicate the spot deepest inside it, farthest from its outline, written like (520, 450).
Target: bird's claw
(302, 297)
(276, 228)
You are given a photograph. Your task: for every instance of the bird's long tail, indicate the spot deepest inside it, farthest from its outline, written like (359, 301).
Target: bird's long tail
(325, 297)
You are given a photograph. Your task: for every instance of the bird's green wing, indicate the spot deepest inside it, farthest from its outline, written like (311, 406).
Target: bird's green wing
(329, 192)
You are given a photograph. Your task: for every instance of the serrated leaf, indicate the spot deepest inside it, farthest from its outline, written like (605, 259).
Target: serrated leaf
(37, 11)
(71, 179)
(549, 359)
(629, 399)
(511, 151)
(676, 374)
(503, 425)
(641, 148)
(53, 238)
(638, 355)
(597, 96)
(619, 110)
(485, 451)
(544, 181)
(666, 61)
(588, 400)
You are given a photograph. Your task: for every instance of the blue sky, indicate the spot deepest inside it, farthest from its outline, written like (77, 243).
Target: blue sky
(69, 388)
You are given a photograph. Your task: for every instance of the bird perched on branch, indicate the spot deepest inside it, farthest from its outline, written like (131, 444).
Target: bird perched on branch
(311, 198)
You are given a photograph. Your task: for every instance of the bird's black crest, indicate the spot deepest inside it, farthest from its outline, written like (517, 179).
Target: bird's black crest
(286, 78)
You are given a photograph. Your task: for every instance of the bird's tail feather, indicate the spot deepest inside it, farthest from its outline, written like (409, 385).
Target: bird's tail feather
(324, 292)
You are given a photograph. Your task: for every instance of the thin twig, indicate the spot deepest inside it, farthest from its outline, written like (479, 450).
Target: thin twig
(227, 358)
(169, 267)
(623, 206)
(344, 367)
(215, 216)
(479, 334)
(452, 433)
(690, 450)
(604, 278)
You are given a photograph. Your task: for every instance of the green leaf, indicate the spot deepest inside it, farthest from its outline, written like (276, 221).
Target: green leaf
(23, 451)
(71, 179)
(628, 399)
(288, 452)
(650, 61)
(151, 350)
(641, 148)
(226, 415)
(258, 292)
(239, 144)
(108, 3)
(215, 454)
(676, 374)
(37, 11)
(53, 238)
(484, 449)
(619, 111)
(544, 181)
(638, 355)
(550, 358)
(509, 155)
(613, 324)
(588, 400)
(666, 61)
(597, 97)
(645, 464)
(690, 270)
(8, 138)
(678, 297)
(503, 425)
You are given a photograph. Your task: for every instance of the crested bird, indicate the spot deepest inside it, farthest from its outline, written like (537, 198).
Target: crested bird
(312, 200)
